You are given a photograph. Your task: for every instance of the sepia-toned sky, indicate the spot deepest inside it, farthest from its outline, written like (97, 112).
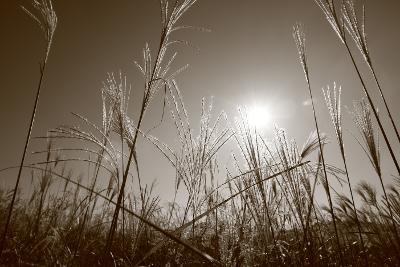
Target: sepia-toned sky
(248, 58)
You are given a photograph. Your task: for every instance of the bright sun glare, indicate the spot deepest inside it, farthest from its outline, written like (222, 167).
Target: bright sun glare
(258, 116)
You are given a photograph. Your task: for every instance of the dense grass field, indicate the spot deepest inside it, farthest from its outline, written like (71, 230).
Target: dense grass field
(88, 204)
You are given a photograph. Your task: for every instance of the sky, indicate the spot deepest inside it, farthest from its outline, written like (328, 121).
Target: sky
(248, 58)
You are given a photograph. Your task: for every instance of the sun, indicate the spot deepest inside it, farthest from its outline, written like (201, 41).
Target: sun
(258, 116)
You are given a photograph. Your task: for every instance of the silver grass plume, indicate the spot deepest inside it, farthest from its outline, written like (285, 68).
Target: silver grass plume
(329, 9)
(46, 19)
(368, 193)
(300, 40)
(116, 93)
(195, 152)
(155, 73)
(356, 28)
(312, 144)
(333, 103)
(363, 120)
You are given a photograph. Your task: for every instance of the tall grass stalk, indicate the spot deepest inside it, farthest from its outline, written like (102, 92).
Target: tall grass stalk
(47, 21)
(299, 38)
(333, 103)
(311, 207)
(155, 75)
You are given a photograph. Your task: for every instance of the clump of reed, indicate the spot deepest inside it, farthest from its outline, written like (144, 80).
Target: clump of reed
(91, 206)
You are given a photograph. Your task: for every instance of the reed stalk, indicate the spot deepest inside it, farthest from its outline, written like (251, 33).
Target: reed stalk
(299, 37)
(47, 21)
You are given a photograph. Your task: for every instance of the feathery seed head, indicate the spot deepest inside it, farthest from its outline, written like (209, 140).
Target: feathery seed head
(300, 40)
(328, 8)
(46, 19)
(312, 144)
(333, 103)
(355, 28)
(367, 193)
(363, 120)
(116, 93)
